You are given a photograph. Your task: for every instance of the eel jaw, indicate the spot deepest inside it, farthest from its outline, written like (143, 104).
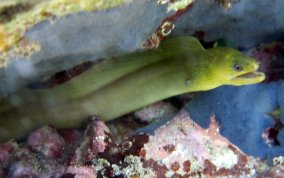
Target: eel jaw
(248, 78)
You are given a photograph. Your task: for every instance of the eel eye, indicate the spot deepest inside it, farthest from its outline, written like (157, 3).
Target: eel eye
(238, 67)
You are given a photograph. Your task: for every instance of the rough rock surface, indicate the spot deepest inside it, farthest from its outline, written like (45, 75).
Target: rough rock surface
(179, 148)
(247, 22)
(243, 113)
(81, 37)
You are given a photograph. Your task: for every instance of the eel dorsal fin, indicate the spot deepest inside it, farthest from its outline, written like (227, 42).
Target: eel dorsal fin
(182, 43)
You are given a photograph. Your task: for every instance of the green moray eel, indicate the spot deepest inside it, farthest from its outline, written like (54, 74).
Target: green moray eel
(120, 85)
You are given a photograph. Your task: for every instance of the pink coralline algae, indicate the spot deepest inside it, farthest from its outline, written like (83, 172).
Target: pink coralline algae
(46, 141)
(275, 172)
(80, 172)
(6, 150)
(178, 148)
(96, 139)
(55, 153)
(182, 148)
(25, 163)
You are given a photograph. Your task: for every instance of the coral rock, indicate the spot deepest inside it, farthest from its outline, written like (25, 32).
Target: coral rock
(96, 139)
(183, 148)
(46, 141)
(155, 111)
(79, 172)
(5, 153)
(28, 164)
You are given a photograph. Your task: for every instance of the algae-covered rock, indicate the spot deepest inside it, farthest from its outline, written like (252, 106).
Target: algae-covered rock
(56, 40)
(40, 38)
(62, 34)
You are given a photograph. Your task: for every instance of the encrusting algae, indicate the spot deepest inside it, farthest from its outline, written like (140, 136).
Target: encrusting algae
(14, 26)
(3, 44)
(121, 85)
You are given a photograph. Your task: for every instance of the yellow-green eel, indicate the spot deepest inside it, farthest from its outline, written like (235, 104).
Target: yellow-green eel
(120, 85)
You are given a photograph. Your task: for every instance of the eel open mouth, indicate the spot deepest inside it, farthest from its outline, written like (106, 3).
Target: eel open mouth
(253, 74)
(248, 78)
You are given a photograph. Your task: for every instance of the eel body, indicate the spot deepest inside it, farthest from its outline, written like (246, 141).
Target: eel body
(120, 85)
